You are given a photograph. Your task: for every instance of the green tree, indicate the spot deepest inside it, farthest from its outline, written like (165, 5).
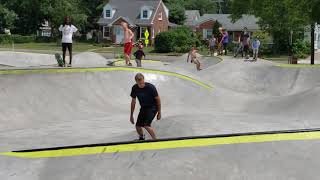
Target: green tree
(277, 17)
(28, 15)
(216, 27)
(56, 10)
(204, 6)
(177, 11)
(7, 18)
(93, 10)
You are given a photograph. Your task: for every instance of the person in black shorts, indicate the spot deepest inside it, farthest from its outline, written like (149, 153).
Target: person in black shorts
(67, 29)
(150, 103)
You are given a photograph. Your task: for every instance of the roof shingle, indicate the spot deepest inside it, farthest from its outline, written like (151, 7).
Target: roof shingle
(130, 10)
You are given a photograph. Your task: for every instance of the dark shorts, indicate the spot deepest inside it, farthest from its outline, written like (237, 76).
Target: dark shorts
(246, 48)
(146, 117)
(66, 46)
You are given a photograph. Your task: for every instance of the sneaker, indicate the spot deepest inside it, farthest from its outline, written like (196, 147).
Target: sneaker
(69, 65)
(142, 138)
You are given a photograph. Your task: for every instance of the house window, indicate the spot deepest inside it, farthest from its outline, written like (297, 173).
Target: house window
(160, 16)
(142, 31)
(145, 14)
(106, 32)
(108, 13)
(209, 33)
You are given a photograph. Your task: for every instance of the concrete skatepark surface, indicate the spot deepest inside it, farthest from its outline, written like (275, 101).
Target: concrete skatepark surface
(41, 110)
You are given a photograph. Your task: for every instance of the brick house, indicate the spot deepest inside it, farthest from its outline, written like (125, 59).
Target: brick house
(204, 24)
(141, 15)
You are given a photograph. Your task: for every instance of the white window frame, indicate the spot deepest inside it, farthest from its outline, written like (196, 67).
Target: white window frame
(142, 13)
(108, 17)
(142, 32)
(209, 36)
(104, 30)
(160, 18)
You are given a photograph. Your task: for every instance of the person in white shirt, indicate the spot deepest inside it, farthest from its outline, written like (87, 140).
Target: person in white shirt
(67, 30)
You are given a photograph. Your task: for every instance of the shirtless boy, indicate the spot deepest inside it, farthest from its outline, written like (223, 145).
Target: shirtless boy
(128, 37)
(194, 59)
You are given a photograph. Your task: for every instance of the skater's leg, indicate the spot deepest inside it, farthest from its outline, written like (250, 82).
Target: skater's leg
(70, 53)
(140, 131)
(225, 49)
(64, 49)
(151, 132)
(138, 61)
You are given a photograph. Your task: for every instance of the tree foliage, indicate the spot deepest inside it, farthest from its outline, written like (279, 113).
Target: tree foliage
(177, 8)
(7, 18)
(25, 17)
(278, 17)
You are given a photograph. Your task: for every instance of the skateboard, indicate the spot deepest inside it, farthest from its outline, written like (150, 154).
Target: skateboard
(59, 60)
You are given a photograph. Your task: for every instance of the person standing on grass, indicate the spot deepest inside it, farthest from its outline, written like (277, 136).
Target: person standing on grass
(128, 44)
(224, 41)
(245, 40)
(219, 39)
(67, 30)
(212, 45)
(255, 47)
(150, 103)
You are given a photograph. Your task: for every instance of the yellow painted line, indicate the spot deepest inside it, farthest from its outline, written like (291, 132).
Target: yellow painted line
(130, 69)
(298, 65)
(202, 142)
(122, 62)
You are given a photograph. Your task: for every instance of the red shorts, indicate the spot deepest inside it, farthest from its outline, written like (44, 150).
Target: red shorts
(128, 48)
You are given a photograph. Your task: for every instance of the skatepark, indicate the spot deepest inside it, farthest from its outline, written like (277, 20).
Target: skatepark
(262, 119)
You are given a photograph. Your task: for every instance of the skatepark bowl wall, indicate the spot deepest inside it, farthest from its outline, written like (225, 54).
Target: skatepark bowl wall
(73, 123)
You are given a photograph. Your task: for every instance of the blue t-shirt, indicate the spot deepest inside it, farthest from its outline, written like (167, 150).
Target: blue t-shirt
(256, 44)
(146, 96)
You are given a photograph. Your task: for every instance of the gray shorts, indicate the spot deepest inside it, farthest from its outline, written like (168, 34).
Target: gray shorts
(138, 61)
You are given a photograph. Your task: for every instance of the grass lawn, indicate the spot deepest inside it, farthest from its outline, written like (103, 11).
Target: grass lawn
(277, 58)
(299, 65)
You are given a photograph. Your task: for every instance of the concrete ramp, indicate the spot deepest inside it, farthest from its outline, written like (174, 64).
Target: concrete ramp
(45, 108)
(21, 59)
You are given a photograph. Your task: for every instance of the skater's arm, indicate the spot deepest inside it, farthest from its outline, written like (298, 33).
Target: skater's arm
(61, 28)
(133, 106)
(158, 107)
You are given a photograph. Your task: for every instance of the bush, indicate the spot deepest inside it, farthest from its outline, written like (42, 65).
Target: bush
(16, 39)
(178, 40)
(5, 39)
(42, 39)
(23, 39)
(301, 49)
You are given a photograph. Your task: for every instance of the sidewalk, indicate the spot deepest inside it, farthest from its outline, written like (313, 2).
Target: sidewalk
(308, 60)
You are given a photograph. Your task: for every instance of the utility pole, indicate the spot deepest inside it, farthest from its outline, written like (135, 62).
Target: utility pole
(312, 42)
